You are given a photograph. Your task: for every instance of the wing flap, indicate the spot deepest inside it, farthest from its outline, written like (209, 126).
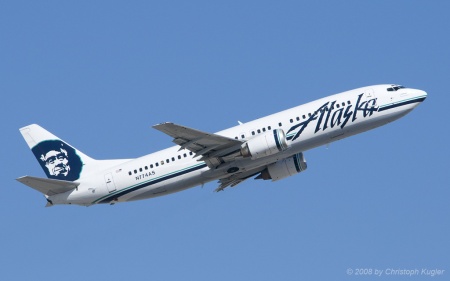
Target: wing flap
(48, 186)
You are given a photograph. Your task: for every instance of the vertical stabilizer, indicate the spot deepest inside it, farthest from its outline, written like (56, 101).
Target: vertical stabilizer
(58, 159)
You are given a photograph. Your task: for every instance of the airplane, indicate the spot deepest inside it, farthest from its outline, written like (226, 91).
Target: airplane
(268, 148)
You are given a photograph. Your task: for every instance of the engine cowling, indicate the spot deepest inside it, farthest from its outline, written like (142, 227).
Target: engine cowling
(265, 144)
(284, 168)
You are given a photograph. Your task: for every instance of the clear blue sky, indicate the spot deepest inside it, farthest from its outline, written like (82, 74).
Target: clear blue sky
(99, 73)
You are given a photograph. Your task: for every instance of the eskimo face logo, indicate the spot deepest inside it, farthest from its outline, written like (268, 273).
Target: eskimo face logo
(58, 160)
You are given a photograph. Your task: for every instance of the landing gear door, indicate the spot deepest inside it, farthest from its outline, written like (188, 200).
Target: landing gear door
(110, 182)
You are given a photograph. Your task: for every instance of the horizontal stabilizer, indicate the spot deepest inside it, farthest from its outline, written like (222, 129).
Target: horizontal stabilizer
(48, 186)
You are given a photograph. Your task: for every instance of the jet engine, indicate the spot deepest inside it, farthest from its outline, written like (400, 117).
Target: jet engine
(265, 144)
(284, 168)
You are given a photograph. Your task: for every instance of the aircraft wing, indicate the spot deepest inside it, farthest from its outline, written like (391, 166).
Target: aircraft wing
(236, 179)
(201, 143)
(48, 186)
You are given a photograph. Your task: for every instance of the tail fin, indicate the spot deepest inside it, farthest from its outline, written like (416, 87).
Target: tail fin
(58, 159)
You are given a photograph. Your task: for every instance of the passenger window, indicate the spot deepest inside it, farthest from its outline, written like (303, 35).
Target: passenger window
(130, 173)
(264, 129)
(146, 167)
(184, 155)
(297, 118)
(151, 166)
(135, 171)
(259, 131)
(304, 116)
(190, 153)
(242, 136)
(167, 161)
(140, 169)
(173, 159)
(279, 124)
(179, 156)
(270, 128)
(291, 121)
(348, 102)
(253, 133)
(156, 164)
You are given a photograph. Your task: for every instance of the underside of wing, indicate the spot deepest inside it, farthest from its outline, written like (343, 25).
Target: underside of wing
(207, 145)
(236, 179)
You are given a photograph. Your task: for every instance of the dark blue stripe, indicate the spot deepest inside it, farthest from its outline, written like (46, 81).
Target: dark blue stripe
(277, 141)
(119, 194)
(401, 104)
(297, 165)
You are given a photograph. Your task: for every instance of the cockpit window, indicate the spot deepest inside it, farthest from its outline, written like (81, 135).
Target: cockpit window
(395, 88)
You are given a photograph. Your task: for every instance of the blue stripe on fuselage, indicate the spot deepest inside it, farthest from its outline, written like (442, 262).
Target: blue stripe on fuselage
(402, 103)
(113, 196)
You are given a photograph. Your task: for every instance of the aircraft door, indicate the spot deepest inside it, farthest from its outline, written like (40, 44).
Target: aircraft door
(110, 182)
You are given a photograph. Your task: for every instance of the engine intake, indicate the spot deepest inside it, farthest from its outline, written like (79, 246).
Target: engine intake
(284, 168)
(265, 144)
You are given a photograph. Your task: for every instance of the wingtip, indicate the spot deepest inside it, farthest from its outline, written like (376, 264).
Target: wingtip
(161, 124)
(21, 179)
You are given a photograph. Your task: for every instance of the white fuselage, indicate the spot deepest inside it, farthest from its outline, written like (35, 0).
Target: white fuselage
(306, 126)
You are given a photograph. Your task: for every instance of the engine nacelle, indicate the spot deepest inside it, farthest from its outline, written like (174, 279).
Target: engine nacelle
(265, 144)
(284, 168)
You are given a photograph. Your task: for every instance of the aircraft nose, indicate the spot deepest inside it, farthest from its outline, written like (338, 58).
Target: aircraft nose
(421, 95)
(417, 97)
